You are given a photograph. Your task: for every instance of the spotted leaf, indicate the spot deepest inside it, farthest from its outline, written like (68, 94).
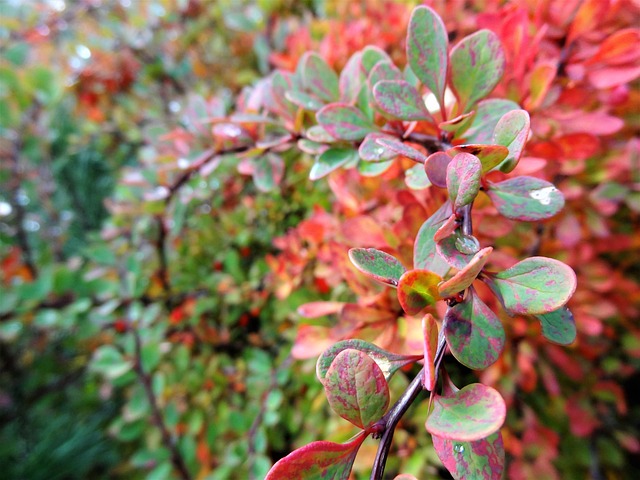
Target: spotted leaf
(481, 459)
(344, 122)
(378, 265)
(526, 198)
(463, 179)
(558, 326)
(512, 131)
(465, 277)
(399, 99)
(418, 289)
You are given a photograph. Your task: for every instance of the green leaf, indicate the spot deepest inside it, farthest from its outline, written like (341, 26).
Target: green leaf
(474, 333)
(401, 148)
(424, 249)
(304, 100)
(526, 199)
(477, 65)
(418, 289)
(108, 361)
(479, 460)
(331, 160)
(512, 131)
(488, 114)
(268, 171)
(356, 388)
(490, 156)
(470, 414)
(400, 100)
(465, 277)
(458, 124)
(427, 49)
(463, 179)
(371, 151)
(373, 169)
(558, 326)
(351, 79)
(319, 78)
(344, 122)
(316, 461)
(378, 265)
(383, 71)
(534, 286)
(371, 56)
(388, 362)
(416, 178)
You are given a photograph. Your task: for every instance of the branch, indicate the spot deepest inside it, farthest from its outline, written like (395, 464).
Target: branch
(156, 414)
(389, 423)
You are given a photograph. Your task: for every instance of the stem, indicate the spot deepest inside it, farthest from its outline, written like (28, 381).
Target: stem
(389, 423)
(467, 225)
(156, 414)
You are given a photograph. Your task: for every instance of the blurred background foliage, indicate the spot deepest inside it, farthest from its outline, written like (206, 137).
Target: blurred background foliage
(146, 338)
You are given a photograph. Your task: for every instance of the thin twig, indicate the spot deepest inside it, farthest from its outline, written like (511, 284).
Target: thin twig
(389, 423)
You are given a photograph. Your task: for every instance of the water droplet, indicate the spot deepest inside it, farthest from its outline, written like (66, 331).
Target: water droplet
(174, 106)
(378, 151)
(83, 52)
(467, 244)
(183, 163)
(458, 448)
(543, 195)
(31, 225)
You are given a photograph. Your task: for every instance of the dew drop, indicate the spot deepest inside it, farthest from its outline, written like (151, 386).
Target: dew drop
(183, 163)
(458, 448)
(467, 244)
(5, 209)
(543, 195)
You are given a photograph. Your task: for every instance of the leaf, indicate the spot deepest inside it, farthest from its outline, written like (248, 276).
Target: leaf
(488, 114)
(463, 179)
(378, 265)
(465, 277)
(430, 333)
(108, 361)
(371, 151)
(456, 249)
(371, 56)
(304, 100)
(373, 169)
(318, 460)
(401, 148)
(418, 289)
(480, 460)
(388, 362)
(448, 228)
(427, 50)
(318, 134)
(268, 171)
(351, 79)
(558, 326)
(383, 71)
(319, 78)
(534, 286)
(490, 156)
(356, 388)
(458, 124)
(477, 65)
(436, 168)
(471, 414)
(424, 249)
(512, 131)
(474, 333)
(344, 122)
(526, 199)
(400, 100)
(319, 309)
(331, 160)
(416, 178)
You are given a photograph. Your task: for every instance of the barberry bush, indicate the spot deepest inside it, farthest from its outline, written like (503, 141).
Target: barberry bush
(419, 219)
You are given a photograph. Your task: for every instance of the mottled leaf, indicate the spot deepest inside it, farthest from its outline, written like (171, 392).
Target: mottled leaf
(447, 228)
(471, 414)
(401, 148)
(318, 134)
(453, 250)
(268, 171)
(356, 388)
(371, 151)
(488, 114)
(534, 286)
(458, 124)
(371, 56)
(436, 168)
(400, 100)
(319, 78)
(558, 326)
(373, 169)
(331, 160)
(384, 71)
(526, 198)
(427, 50)
(378, 265)
(418, 289)
(388, 362)
(424, 249)
(416, 178)
(474, 333)
(430, 333)
(463, 179)
(477, 65)
(351, 79)
(512, 131)
(304, 100)
(465, 277)
(479, 460)
(318, 460)
(490, 156)
(344, 122)
(311, 147)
